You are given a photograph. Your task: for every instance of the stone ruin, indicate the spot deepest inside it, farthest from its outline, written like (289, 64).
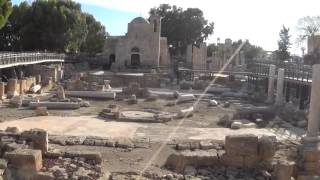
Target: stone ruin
(135, 89)
(115, 112)
(239, 157)
(27, 155)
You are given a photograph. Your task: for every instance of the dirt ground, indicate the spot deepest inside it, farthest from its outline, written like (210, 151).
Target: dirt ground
(204, 117)
(85, 121)
(123, 161)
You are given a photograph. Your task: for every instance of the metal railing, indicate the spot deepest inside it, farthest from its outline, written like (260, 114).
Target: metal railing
(293, 71)
(12, 58)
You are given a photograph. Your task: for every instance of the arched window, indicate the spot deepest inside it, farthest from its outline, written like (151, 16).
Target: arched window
(135, 50)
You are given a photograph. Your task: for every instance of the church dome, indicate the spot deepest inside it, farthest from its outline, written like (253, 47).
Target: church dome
(139, 20)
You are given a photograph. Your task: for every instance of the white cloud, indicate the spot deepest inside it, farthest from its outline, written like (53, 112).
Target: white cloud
(257, 20)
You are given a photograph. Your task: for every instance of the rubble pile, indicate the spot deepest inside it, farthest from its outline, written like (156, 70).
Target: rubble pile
(135, 89)
(26, 155)
(125, 143)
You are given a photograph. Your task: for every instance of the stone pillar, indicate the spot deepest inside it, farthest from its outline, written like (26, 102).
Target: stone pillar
(1, 90)
(12, 85)
(314, 113)
(272, 71)
(21, 89)
(38, 79)
(237, 60)
(280, 80)
(242, 58)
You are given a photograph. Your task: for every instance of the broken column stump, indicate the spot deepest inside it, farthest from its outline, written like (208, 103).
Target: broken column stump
(38, 137)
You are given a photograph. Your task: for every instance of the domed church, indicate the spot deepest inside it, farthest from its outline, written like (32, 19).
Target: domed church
(141, 47)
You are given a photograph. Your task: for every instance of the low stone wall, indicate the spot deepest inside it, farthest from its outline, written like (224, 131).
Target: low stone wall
(26, 155)
(122, 79)
(241, 151)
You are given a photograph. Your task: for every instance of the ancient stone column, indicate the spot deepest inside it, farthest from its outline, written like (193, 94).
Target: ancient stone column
(272, 71)
(38, 79)
(12, 87)
(21, 90)
(314, 113)
(242, 58)
(280, 80)
(1, 90)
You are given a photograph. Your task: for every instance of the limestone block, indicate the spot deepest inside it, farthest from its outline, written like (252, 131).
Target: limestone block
(2, 90)
(185, 98)
(60, 93)
(213, 103)
(44, 176)
(38, 79)
(133, 99)
(92, 94)
(311, 153)
(25, 159)
(23, 86)
(185, 112)
(11, 88)
(250, 161)
(312, 167)
(241, 145)
(42, 111)
(180, 160)
(12, 130)
(16, 101)
(267, 147)
(38, 137)
(205, 145)
(284, 170)
(232, 160)
(94, 156)
(55, 105)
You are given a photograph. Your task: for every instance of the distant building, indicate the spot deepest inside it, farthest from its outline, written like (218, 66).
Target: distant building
(196, 57)
(314, 43)
(141, 47)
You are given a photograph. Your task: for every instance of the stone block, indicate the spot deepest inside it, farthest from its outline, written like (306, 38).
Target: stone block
(232, 160)
(284, 170)
(60, 93)
(205, 145)
(25, 159)
(312, 167)
(75, 140)
(241, 145)
(54, 153)
(41, 111)
(183, 113)
(267, 147)
(180, 160)
(94, 156)
(44, 176)
(3, 163)
(124, 143)
(310, 153)
(250, 161)
(38, 137)
(185, 98)
(12, 130)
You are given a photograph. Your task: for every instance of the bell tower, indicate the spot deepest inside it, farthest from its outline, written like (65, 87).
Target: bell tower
(155, 20)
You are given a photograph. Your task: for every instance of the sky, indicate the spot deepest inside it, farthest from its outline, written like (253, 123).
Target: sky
(259, 21)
